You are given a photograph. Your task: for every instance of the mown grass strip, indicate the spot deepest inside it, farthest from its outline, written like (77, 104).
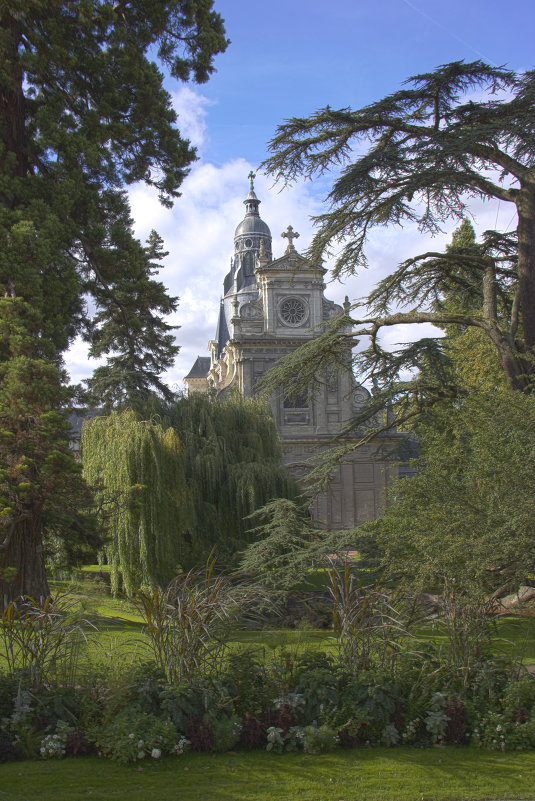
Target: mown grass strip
(378, 774)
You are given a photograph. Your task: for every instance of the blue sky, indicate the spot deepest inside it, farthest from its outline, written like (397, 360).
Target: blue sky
(288, 59)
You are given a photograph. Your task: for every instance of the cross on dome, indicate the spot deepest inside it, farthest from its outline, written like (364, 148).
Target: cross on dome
(290, 235)
(251, 178)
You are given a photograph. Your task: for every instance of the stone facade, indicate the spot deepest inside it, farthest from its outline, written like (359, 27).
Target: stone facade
(269, 308)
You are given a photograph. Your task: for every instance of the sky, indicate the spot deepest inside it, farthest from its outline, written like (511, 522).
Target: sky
(288, 59)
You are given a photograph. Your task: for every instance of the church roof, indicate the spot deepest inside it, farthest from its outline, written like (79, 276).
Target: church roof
(222, 335)
(252, 224)
(200, 368)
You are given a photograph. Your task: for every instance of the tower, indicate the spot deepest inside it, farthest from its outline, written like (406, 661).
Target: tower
(269, 308)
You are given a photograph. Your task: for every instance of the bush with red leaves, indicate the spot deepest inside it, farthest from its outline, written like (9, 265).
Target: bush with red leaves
(200, 734)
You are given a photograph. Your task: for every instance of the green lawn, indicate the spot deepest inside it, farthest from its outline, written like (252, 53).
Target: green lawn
(379, 774)
(120, 630)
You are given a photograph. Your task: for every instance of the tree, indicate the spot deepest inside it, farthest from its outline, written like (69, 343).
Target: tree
(432, 148)
(144, 503)
(280, 554)
(233, 467)
(82, 114)
(466, 516)
(40, 484)
(129, 324)
(169, 494)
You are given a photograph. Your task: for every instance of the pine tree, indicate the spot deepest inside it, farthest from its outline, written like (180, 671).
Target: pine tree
(40, 482)
(83, 113)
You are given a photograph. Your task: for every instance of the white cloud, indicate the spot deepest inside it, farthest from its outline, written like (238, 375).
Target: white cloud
(198, 232)
(191, 109)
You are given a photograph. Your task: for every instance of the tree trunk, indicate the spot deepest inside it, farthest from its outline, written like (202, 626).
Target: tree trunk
(526, 261)
(24, 552)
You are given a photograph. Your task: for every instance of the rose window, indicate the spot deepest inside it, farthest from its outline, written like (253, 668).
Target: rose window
(292, 311)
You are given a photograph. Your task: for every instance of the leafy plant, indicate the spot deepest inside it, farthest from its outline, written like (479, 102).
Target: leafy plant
(226, 731)
(188, 622)
(368, 625)
(39, 635)
(319, 739)
(131, 736)
(318, 689)
(436, 720)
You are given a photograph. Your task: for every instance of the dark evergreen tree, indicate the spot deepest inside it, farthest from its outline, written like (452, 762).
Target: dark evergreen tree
(82, 114)
(40, 483)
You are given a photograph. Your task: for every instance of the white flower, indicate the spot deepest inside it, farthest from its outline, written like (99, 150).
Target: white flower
(141, 755)
(155, 753)
(131, 736)
(498, 727)
(140, 744)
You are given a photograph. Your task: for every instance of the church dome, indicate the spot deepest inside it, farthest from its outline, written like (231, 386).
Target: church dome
(252, 225)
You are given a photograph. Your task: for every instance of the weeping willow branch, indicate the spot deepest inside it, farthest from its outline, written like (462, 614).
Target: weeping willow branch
(144, 462)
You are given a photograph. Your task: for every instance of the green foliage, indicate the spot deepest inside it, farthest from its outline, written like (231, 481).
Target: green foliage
(40, 482)
(83, 113)
(319, 739)
(428, 149)
(188, 623)
(137, 469)
(233, 467)
(370, 623)
(280, 555)
(414, 157)
(39, 636)
(466, 515)
(131, 736)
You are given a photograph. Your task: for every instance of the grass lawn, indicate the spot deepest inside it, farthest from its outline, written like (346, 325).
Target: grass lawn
(378, 774)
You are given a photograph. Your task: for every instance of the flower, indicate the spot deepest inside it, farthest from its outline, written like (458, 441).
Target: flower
(141, 754)
(131, 736)
(155, 753)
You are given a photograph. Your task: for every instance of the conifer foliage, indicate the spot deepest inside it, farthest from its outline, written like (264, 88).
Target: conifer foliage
(83, 113)
(419, 156)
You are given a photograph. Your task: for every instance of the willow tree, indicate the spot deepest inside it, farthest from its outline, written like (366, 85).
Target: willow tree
(233, 467)
(137, 470)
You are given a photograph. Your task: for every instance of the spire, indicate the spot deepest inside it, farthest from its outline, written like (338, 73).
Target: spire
(251, 178)
(251, 201)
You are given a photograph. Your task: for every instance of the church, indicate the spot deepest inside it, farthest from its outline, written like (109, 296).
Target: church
(271, 306)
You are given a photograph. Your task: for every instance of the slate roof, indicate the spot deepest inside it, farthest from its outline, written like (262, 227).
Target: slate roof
(200, 368)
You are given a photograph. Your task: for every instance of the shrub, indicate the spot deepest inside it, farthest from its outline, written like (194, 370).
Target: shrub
(226, 733)
(200, 734)
(9, 750)
(133, 735)
(319, 739)
(499, 732)
(253, 732)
